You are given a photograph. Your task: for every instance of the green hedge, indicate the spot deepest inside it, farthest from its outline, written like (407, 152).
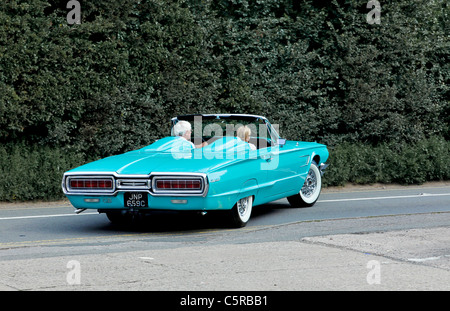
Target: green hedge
(35, 173)
(426, 160)
(316, 68)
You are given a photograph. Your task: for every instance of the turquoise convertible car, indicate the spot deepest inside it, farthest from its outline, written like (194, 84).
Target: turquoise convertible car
(218, 169)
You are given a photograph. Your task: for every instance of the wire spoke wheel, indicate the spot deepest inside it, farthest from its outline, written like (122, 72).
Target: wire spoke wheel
(310, 191)
(241, 212)
(310, 185)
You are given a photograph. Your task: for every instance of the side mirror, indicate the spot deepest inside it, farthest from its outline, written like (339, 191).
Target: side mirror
(281, 141)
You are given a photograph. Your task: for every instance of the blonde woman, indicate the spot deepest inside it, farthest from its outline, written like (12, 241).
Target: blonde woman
(243, 133)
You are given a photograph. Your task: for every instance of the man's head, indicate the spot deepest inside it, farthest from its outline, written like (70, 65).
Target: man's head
(183, 129)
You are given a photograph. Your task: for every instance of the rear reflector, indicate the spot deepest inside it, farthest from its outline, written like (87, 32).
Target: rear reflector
(91, 200)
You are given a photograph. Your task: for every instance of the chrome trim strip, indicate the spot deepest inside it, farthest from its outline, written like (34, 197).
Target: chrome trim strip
(306, 162)
(133, 184)
(224, 115)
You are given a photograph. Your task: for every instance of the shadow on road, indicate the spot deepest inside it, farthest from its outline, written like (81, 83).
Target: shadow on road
(173, 221)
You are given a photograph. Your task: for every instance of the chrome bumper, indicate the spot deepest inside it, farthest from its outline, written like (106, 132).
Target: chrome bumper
(322, 167)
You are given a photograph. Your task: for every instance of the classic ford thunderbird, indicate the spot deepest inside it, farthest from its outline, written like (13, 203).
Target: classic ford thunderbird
(218, 169)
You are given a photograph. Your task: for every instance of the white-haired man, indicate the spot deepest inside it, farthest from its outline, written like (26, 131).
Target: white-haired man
(183, 129)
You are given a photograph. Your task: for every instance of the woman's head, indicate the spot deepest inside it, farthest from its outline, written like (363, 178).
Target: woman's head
(244, 133)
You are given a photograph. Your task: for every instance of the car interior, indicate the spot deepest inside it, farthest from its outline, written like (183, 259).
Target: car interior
(213, 128)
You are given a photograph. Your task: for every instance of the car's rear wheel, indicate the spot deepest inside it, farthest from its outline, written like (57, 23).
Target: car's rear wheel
(241, 212)
(310, 191)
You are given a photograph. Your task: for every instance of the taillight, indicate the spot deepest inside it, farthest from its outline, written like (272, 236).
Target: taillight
(178, 184)
(91, 184)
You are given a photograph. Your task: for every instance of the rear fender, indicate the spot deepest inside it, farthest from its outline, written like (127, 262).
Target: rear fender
(248, 188)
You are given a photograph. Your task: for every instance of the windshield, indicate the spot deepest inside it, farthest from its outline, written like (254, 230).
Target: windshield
(209, 128)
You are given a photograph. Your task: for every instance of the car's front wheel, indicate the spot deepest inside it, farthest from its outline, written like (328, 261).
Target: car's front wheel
(241, 211)
(308, 195)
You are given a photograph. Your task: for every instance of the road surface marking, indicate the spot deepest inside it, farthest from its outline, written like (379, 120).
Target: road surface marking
(45, 216)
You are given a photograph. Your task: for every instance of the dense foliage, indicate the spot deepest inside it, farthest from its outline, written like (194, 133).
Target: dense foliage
(320, 71)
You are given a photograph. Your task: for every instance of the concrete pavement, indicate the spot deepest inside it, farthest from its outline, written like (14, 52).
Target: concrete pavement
(416, 259)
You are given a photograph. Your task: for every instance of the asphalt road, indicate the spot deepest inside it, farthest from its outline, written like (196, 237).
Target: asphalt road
(405, 230)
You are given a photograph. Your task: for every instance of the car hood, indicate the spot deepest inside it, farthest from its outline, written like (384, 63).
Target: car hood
(172, 154)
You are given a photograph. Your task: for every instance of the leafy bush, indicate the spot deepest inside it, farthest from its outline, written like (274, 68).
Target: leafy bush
(426, 160)
(319, 70)
(34, 173)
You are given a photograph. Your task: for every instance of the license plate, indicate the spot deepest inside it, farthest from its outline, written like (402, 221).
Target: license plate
(136, 199)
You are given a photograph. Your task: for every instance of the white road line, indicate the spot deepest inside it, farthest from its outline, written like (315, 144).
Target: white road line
(421, 195)
(424, 259)
(45, 216)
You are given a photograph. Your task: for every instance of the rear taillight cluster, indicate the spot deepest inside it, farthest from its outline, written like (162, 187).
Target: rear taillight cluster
(161, 184)
(179, 184)
(91, 184)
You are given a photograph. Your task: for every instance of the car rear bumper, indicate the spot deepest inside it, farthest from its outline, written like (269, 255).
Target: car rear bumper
(176, 203)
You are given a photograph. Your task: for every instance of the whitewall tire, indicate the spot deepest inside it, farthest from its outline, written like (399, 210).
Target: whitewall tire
(310, 191)
(241, 212)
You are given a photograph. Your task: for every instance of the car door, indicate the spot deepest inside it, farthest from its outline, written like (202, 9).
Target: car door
(278, 161)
